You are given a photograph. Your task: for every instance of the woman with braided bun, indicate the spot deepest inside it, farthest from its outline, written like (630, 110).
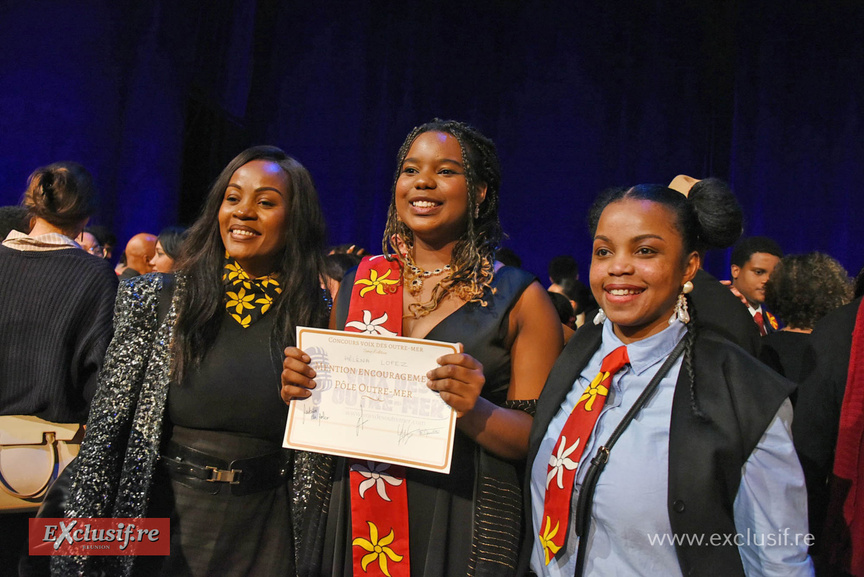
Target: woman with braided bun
(439, 246)
(700, 475)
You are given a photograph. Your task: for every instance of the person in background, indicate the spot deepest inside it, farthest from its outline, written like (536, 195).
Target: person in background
(56, 310)
(753, 261)
(707, 452)
(91, 244)
(348, 249)
(581, 299)
(106, 238)
(566, 315)
(140, 250)
(121, 265)
(337, 264)
(168, 245)
(802, 289)
(828, 428)
(562, 269)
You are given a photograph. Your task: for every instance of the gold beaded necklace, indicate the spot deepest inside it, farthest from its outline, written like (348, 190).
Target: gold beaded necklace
(414, 275)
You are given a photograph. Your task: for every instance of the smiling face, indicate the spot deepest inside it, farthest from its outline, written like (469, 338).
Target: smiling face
(639, 266)
(432, 189)
(253, 216)
(750, 279)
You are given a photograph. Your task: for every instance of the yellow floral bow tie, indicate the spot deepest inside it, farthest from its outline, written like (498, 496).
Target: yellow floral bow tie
(246, 298)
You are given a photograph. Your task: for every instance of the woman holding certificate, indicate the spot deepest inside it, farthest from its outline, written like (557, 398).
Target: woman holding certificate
(700, 475)
(439, 280)
(187, 421)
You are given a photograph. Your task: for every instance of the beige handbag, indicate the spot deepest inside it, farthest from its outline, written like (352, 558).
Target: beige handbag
(33, 452)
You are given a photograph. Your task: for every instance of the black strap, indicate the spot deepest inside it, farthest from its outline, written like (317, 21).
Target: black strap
(601, 457)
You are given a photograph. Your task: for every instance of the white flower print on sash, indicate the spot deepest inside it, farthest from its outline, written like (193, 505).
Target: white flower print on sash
(375, 474)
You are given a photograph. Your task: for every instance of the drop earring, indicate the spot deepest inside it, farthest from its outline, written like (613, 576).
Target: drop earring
(600, 318)
(681, 312)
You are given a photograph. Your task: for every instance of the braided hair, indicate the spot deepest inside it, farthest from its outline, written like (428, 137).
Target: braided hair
(474, 253)
(702, 225)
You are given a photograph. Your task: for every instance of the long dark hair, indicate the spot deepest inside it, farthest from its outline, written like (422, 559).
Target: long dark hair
(300, 266)
(474, 253)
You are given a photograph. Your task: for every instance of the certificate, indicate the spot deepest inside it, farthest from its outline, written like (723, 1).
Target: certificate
(371, 400)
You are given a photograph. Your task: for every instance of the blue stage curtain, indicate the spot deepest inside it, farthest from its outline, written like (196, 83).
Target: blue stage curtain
(154, 97)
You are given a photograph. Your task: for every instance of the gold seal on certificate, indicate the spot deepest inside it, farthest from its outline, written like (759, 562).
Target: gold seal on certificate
(371, 400)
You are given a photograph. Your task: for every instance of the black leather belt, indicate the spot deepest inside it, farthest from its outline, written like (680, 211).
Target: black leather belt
(199, 470)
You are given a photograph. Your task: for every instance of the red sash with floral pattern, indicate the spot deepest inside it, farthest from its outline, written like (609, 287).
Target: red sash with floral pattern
(379, 494)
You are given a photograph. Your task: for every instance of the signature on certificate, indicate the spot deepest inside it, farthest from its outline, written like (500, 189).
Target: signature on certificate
(315, 414)
(405, 432)
(360, 422)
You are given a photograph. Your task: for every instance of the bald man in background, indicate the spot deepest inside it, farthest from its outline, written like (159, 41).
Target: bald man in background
(139, 251)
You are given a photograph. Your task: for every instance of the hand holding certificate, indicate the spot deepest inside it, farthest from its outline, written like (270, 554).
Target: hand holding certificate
(371, 400)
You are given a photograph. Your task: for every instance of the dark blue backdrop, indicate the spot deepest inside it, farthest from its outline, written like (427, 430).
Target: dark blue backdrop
(155, 96)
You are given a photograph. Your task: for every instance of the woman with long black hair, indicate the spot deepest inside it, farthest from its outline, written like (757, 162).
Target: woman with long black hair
(187, 421)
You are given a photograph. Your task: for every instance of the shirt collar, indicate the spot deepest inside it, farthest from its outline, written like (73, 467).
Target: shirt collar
(49, 241)
(648, 352)
(754, 311)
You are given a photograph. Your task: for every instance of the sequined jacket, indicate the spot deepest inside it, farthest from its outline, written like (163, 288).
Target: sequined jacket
(120, 451)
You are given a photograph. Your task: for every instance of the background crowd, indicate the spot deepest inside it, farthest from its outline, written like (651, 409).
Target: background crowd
(261, 234)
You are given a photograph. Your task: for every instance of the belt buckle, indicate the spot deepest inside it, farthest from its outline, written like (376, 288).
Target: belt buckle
(230, 476)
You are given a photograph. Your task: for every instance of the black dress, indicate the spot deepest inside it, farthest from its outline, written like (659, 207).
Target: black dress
(468, 522)
(229, 408)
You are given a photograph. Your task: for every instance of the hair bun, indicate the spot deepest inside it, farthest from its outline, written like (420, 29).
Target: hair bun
(720, 217)
(60, 193)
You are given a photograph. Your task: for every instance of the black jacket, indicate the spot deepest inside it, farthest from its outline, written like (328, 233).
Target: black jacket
(739, 394)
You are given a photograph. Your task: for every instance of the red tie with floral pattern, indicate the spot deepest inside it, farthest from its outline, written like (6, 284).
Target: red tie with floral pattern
(561, 472)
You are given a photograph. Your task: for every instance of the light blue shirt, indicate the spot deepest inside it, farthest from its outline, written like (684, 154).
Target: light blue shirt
(630, 533)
